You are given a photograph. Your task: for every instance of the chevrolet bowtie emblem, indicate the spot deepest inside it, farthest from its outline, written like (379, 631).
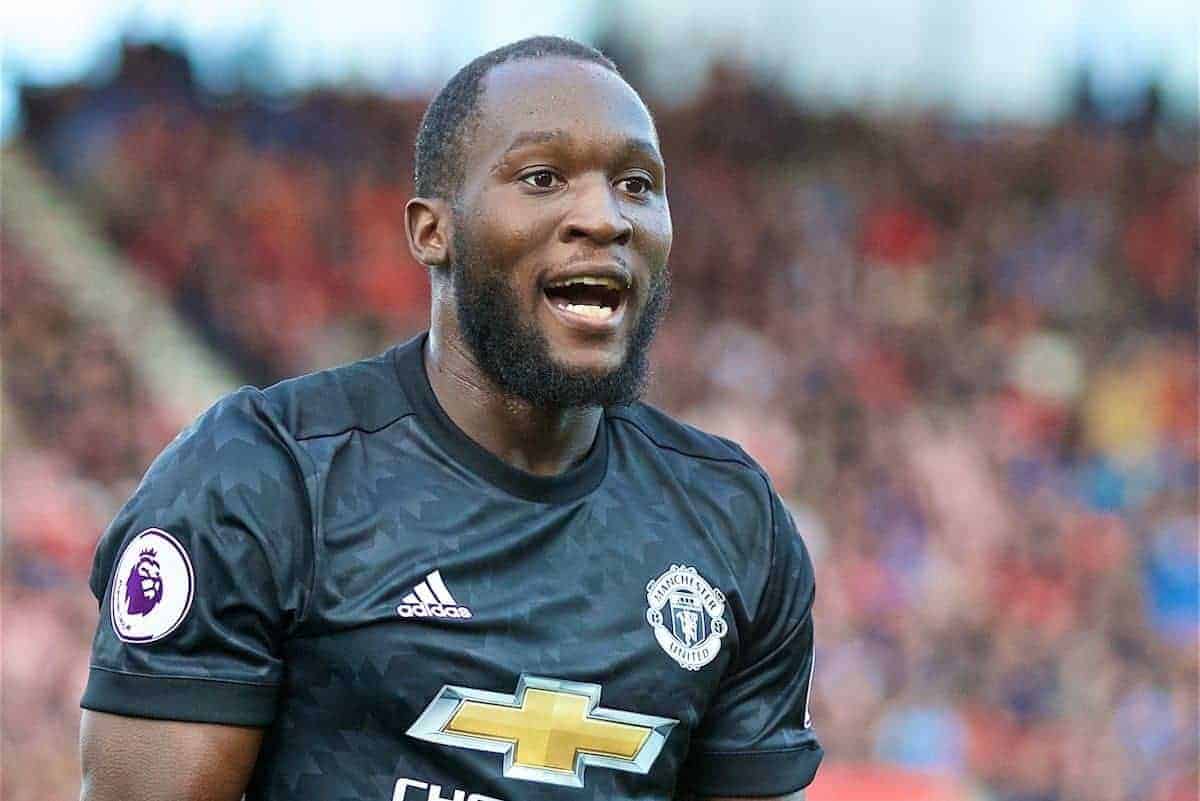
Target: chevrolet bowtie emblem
(549, 730)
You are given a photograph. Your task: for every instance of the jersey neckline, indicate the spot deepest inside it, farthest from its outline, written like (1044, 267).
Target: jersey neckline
(562, 488)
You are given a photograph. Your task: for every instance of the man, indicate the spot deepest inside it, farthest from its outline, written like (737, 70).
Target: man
(474, 567)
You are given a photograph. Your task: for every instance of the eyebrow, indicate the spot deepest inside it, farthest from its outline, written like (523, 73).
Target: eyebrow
(526, 138)
(644, 147)
(630, 145)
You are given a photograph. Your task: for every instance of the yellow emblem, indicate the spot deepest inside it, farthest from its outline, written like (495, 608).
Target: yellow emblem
(549, 730)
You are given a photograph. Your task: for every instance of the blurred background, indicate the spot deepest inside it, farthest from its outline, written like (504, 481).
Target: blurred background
(935, 264)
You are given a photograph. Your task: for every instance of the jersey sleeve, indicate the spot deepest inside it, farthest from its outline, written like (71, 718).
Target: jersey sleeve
(202, 575)
(756, 738)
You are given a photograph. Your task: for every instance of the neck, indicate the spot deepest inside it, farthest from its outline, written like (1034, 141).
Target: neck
(543, 442)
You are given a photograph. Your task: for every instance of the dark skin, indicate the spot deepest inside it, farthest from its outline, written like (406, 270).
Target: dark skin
(564, 170)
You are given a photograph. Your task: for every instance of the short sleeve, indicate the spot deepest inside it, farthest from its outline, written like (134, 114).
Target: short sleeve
(756, 738)
(202, 575)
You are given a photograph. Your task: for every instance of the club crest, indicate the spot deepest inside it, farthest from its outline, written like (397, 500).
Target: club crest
(152, 587)
(687, 615)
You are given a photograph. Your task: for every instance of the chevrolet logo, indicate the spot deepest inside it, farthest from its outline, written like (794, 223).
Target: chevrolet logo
(549, 730)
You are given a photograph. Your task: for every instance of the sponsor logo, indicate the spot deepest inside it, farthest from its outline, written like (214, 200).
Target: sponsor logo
(423, 791)
(548, 731)
(687, 615)
(432, 610)
(152, 587)
(430, 598)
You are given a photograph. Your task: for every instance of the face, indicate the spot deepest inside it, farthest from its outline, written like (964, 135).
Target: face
(561, 234)
(150, 576)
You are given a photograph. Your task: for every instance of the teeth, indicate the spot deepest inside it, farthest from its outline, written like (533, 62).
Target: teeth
(591, 280)
(595, 312)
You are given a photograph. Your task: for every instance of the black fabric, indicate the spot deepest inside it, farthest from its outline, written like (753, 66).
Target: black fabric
(172, 698)
(759, 717)
(762, 773)
(315, 512)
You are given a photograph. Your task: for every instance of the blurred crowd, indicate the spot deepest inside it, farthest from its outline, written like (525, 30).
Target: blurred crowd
(79, 429)
(965, 353)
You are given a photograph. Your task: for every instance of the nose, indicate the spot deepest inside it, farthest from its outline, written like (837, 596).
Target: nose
(596, 215)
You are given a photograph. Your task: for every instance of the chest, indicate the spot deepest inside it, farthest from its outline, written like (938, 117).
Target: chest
(446, 613)
(478, 590)
(466, 633)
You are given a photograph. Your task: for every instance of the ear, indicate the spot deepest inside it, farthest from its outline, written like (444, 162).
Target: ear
(428, 224)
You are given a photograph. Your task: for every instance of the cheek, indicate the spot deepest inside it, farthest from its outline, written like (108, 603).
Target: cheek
(657, 234)
(511, 245)
(504, 242)
(504, 230)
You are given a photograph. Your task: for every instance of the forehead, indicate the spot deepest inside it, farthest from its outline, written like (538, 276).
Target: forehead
(586, 102)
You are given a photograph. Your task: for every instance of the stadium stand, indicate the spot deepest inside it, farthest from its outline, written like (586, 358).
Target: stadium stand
(965, 353)
(79, 430)
(92, 278)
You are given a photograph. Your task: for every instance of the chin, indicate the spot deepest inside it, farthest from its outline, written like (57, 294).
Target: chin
(595, 359)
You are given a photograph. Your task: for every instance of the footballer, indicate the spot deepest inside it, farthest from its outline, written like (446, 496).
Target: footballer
(475, 567)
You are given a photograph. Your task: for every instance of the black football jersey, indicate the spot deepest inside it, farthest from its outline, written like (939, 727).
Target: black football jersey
(413, 619)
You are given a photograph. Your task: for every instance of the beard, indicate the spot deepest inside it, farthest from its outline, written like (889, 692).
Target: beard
(515, 354)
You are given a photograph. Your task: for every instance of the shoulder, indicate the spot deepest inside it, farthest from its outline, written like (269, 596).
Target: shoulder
(661, 432)
(235, 458)
(232, 438)
(717, 473)
(720, 480)
(667, 434)
(230, 483)
(365, 395)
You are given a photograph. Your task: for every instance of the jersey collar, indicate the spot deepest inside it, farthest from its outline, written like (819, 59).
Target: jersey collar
(563, 488)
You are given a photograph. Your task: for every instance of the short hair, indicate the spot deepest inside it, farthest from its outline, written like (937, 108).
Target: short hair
(454, 113)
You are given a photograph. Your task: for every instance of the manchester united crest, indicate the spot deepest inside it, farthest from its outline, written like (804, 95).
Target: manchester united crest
(687, 615)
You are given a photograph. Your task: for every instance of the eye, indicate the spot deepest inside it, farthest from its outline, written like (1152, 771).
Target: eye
(635, 184)
(542, 179)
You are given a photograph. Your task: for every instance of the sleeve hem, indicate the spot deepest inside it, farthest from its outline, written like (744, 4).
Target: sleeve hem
(752, 773)
(198, 700)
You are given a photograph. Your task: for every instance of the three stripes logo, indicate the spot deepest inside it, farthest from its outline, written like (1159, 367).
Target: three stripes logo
(430, 598)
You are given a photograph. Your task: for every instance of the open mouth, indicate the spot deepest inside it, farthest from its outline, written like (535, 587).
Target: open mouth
(597, 298)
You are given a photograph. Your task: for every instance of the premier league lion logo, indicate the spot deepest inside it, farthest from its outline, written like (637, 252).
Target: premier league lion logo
(152, 587)
(144, 587)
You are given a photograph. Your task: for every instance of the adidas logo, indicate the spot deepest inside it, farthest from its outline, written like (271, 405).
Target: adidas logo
(430, 598)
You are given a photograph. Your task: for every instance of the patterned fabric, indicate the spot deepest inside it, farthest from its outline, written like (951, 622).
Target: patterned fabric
(316, 512)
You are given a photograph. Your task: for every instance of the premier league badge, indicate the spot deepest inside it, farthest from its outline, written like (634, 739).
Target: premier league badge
(152, 587)
(687, 615)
